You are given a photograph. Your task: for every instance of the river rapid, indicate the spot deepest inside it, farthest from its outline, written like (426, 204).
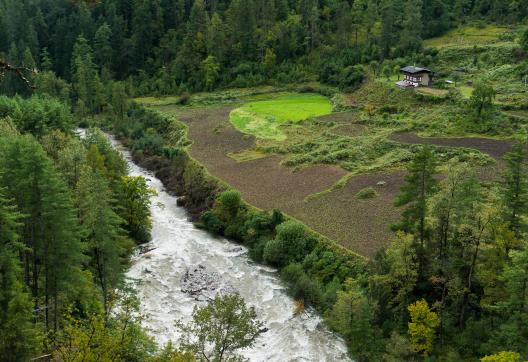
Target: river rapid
(179, 253)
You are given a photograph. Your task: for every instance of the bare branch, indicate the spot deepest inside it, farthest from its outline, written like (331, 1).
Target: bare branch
(18, 71)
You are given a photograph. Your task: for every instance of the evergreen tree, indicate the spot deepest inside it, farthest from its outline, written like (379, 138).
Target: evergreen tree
(54, 254)
(18, 334)
(102, 231)
(420, 184)
(410, 39)
(515, 188)
(102, 43)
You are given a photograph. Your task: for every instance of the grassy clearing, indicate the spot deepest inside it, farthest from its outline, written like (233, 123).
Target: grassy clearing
(247, 155)
(432, 91)
(157, 101)
(465, 90)
(468, 35)
(264, 118)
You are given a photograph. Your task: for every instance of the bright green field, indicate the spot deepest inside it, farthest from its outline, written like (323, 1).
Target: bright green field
(263, 119)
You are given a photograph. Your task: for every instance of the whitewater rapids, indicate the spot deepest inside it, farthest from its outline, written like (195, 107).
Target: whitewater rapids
(177, 247)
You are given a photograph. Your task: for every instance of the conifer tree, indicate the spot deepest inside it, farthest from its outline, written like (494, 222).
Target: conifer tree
(515, 188)
(420, 184)
(18, 334)
(101, 230)
(53, 255)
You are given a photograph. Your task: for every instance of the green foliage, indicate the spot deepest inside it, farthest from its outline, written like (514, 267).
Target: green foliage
(102, 231)
(59, 243)
(51, 231)
(38, 114)
(524, 39)
(351, 77)
(292, 243)
(515, 188)
(367, 193)
(116, 336)
(422, 327)
(18, 335)
(346, 78)
(136, 203)
(481, 99)
(227, 205)
(352, 316)
(221, 328)
(420, 184)
(504, 356)
(210, 69)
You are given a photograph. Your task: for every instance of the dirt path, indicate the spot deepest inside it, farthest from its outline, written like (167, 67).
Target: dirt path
(495, 148)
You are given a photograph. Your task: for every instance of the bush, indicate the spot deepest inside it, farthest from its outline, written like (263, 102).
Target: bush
(151, 142)
(273, 253)
(291, 244)
(185, 98)
(261, 224)
(351, 77)
(257, 251)
(307, 289)
(227, 205)
(211, 222)
(367, 193)
(292, 272)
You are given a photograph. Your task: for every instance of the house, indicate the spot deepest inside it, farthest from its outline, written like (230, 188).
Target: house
(415, 77)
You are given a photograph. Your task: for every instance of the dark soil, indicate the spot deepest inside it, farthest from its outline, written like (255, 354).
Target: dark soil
(360, 225)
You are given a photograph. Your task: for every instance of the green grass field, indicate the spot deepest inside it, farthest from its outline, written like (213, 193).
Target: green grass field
(263, 118)
(467, 35)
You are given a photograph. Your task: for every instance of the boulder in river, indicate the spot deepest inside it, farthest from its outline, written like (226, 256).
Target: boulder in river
(204, 285)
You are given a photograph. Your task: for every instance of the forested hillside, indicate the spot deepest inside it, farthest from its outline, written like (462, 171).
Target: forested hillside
(448, 283)
(65, 239)
(171, 46)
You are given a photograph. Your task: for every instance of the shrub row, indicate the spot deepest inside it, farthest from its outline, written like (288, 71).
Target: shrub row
(313, 267)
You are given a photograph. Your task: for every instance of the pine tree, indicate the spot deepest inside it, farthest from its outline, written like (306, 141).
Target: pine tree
(102, 231)
(515, 188)
(18, 334)
(84, 74)
(420, 184)
(53, 255)
(45, 60)
(410, 39)
(103, 46)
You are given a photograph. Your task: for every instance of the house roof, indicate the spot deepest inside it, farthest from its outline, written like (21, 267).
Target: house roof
(413, 70)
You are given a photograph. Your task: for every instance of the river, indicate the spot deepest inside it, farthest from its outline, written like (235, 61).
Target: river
(177, 247)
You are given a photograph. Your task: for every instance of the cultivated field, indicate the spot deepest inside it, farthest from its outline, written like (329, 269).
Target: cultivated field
(316, 170)
(289, 151)
(264, 118)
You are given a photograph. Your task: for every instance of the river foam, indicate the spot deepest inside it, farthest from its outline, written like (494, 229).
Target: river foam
(178, 246)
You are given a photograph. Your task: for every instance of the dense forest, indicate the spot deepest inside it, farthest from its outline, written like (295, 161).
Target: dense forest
(452, 286)
(173, 46)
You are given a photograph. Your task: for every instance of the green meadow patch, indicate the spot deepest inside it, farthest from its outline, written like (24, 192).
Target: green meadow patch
(247, 155)
(263, 118)
(468, 36)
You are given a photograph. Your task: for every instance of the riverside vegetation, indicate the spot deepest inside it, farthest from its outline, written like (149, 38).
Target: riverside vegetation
(449, 284)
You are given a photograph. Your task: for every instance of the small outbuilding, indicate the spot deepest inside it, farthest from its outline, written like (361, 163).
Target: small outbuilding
(416, 77)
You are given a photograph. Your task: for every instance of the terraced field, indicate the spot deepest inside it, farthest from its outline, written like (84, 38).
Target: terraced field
(323, 196)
